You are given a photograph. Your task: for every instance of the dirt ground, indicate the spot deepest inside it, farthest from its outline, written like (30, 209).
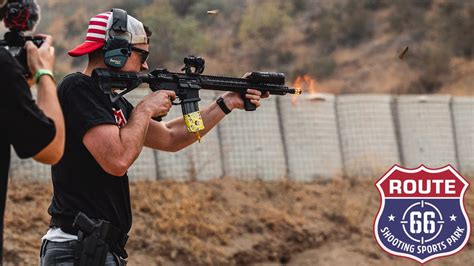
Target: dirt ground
(230, 222)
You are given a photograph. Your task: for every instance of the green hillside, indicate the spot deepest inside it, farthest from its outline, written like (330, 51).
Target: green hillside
(346, 45)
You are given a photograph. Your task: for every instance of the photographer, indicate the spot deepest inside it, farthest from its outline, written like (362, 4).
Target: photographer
(34, 129)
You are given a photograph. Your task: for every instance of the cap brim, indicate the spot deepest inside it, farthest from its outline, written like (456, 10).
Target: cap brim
(85, 48)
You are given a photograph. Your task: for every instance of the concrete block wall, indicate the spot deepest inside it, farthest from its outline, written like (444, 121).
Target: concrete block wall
(368, 138)
(463, 118)
(320, 137)
(144, 167)
(252, 144)
(28, 169)
(426, 131)
(311, 137)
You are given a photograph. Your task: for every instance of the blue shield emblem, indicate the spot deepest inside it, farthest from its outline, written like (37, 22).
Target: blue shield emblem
(422, 214)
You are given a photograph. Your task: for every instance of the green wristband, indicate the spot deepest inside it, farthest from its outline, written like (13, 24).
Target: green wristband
(41, 72)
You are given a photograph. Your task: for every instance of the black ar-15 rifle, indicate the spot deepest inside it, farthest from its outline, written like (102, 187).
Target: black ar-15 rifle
(187, 85)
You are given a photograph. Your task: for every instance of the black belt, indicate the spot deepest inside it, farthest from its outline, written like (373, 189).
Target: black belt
(115, 237)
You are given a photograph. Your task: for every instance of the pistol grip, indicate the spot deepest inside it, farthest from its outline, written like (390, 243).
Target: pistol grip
(248, 105)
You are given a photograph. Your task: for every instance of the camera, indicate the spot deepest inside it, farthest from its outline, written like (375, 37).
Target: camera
(20, 16)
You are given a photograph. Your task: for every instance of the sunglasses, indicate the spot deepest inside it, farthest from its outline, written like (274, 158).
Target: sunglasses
(143, 53)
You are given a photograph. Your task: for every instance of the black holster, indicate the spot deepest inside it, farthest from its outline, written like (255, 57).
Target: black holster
(90, 250)
(96, 239)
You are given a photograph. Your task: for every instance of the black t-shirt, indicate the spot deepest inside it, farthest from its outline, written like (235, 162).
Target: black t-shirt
(79, 182)
(23, 124)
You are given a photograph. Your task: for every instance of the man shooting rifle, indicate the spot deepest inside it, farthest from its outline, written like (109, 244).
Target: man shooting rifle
(187, 85)
(90, 210)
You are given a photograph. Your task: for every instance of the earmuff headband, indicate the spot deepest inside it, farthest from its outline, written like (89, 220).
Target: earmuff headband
(117, 49)
(119, 20)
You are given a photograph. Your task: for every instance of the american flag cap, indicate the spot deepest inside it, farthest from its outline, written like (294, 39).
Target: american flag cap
(98, 33)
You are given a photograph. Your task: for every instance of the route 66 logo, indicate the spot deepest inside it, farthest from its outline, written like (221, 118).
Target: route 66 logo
(422, 214)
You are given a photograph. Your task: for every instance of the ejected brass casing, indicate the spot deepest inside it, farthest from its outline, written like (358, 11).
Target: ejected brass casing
(214, 12)
(402, 54)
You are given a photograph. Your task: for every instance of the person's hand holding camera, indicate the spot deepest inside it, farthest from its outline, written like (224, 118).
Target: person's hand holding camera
(40, 58)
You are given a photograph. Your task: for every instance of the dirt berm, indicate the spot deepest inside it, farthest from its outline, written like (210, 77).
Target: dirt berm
(230, 222)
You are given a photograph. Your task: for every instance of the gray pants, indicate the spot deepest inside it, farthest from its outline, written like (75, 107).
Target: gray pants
(62, 254)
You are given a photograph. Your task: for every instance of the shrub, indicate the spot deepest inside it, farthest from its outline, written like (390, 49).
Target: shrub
(173, 37)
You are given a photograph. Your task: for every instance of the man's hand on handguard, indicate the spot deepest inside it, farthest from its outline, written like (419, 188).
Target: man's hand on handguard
(233, 99)
(158, 103)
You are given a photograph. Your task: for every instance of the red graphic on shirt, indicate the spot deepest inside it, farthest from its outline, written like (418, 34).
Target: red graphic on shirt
(119, 117)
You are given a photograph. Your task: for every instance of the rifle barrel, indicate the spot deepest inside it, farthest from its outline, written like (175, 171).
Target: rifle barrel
(240, 84)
